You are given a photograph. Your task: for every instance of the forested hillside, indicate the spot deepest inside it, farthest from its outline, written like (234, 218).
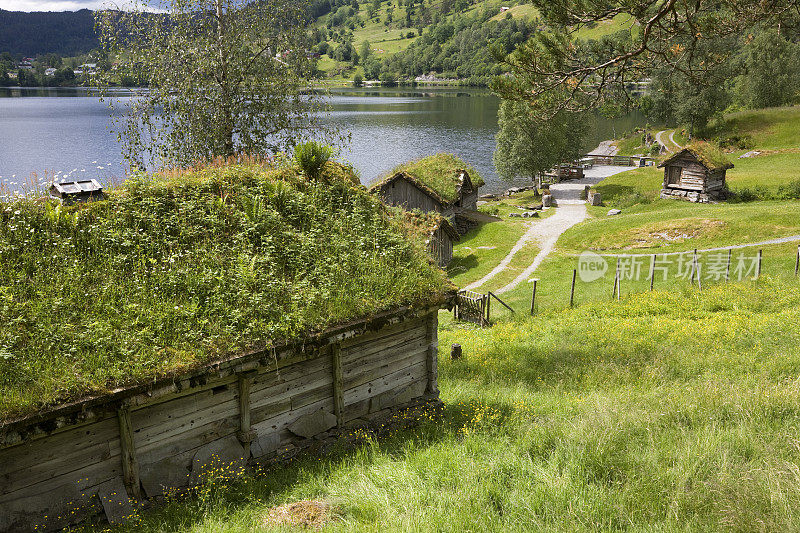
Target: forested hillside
(66, 33)
(403, 39)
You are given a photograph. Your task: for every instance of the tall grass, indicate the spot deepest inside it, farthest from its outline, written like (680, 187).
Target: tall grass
(173, 270)
(664, 412)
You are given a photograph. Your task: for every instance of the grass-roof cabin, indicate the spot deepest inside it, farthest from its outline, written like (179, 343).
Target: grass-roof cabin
(696, 173)
(436, 231)
(231, 312)
(440, 183)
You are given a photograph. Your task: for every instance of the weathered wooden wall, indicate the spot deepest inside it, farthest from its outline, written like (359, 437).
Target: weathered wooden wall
(441, 247)
(403, 193)
(58, 471)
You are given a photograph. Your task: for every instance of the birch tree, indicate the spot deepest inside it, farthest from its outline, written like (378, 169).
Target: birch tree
(224, 77)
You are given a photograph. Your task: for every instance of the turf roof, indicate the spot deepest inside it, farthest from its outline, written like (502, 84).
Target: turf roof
(439, 173)
(171, 272)
(709, 155)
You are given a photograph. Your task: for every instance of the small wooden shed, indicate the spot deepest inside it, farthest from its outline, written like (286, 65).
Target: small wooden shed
(440, 241)
(70, 192)
(696, 174)
(441, 187)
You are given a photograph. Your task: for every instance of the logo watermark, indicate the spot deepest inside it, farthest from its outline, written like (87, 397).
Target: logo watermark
(591, 266)
(713, 266)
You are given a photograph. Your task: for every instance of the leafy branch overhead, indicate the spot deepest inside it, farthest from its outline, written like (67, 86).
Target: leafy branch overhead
(557, 71)
(225, 78)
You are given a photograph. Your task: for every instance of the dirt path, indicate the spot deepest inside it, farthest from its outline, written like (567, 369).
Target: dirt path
(672, 140)
(571, 210)
(660, 141)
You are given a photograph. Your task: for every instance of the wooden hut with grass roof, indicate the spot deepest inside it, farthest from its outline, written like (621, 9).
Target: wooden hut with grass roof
(441, 183)
(277, 331)
(696, 174)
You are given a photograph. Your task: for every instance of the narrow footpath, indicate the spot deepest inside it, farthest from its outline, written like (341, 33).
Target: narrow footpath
(571, 210)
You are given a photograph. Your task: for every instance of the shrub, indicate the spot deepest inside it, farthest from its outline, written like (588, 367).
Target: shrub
(736, 142)
(489, 209)
(748, 194)
(311, 156)
(790, 191)
(358, 80)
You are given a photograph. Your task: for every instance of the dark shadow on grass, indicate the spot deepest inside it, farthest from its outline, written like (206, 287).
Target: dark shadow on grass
(459, 265)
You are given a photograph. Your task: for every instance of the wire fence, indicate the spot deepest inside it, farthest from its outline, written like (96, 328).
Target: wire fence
(611, 277)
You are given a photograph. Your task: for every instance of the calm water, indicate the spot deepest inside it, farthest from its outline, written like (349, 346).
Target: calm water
(65, 133)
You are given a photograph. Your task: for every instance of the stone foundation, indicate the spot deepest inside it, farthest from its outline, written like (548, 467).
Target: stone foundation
(692, 196)
(463, 225)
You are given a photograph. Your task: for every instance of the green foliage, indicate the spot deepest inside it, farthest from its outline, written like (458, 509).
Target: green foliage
(770, 66)
(461, 46)
(228, 78)
(311, 156)
(527, 145)
(176, 270)
(67, 33)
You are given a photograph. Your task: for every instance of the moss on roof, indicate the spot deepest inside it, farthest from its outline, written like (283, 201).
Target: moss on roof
(421, 224)
(709, 155)
(171, 272)
(439, 173)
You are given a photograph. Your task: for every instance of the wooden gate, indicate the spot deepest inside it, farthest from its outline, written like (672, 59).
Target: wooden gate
(472, 307)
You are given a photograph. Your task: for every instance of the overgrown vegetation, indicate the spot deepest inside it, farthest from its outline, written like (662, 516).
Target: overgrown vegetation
(174, 270)
(668, 411)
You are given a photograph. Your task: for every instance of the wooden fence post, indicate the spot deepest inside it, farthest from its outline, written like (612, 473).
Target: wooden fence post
(697, 270)
(797, 262)
(488, 308)
(533, 298)
(758, 272)
(652, 271)
(130, 465)
(728, 268)
(572, 292)
(482, 320)
(338, 392)
(431, 337)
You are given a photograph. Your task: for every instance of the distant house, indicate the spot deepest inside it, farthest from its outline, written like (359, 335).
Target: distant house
(50, 71)
(438, 183)
(696, 174)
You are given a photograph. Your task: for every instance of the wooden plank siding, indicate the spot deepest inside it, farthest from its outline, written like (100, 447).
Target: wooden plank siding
(403, 193)
(156, 444)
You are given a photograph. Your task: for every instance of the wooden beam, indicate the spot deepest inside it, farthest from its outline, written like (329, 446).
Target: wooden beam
(432, 361)
(338, 385)
(245, 435)
(130, 465)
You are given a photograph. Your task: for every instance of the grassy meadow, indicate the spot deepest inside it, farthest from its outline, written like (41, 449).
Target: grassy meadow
(671, 411)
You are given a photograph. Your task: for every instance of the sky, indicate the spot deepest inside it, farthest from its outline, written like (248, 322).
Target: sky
(61, 5)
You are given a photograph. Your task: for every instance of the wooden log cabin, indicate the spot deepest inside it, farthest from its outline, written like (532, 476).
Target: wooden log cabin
(104, 456)
(696, 174)
(440, 184)
(436, 231)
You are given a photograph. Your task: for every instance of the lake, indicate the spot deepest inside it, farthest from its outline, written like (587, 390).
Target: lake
(65, 133)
